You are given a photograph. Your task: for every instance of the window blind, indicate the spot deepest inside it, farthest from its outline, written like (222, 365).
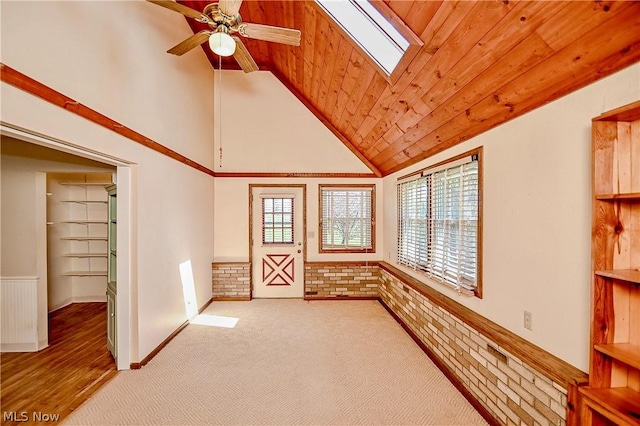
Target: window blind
(438, 224)
(346, 221)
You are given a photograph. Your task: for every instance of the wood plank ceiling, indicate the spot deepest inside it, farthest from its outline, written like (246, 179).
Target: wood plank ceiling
(482, 63)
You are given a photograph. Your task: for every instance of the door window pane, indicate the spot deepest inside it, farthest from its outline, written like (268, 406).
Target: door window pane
(277, 221)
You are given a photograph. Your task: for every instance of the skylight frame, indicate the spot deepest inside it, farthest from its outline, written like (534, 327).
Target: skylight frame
(378, 19)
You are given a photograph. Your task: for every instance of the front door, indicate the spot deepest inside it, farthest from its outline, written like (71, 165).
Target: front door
(277, 227)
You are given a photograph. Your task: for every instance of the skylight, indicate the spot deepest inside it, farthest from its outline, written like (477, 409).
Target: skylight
(370, 29)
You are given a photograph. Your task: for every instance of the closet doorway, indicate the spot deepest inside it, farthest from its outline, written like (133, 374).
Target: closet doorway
(54, 276)
(28, 162)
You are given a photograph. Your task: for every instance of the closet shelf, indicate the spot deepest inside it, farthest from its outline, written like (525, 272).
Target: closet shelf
(85, 183)
(85, 255)
(85, 221)
(85, 201)
(81, 238)
(85, 274)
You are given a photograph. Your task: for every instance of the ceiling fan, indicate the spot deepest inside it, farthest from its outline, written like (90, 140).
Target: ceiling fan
(225, 21)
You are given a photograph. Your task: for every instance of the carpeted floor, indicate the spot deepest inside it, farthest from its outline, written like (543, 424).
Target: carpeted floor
(284, 362)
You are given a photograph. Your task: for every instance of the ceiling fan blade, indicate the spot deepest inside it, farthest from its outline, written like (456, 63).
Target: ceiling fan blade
(177, 7)
(269, 33)
(188, 44)
(243, 57)
(229, 7)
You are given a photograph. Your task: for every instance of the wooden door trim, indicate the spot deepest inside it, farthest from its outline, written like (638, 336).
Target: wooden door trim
(302, 186)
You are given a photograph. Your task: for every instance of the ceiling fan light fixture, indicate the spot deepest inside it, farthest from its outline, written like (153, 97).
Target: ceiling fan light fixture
(222, 44)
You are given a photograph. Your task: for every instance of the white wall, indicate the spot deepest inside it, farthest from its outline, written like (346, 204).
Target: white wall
(231, 218)
(263, 127)
(537, 217)
(18, 220)
(111, 57)
(24, 238)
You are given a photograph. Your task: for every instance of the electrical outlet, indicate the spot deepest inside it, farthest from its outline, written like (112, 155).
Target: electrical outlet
(528, 320)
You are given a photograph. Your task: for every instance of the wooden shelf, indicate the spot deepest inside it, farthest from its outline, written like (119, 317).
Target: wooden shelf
(85, 201)
(615, 304)
(85, 238)
(630, 275)
(612, 197)
(629, 112)
(620, 405)
(85, 255)
(86, 222)
(86, 183)
(624, 352)
(85, 274)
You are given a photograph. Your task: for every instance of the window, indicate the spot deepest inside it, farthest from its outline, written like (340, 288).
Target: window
(385, 43)
(277, 220)
(439, 213)
(347, 218)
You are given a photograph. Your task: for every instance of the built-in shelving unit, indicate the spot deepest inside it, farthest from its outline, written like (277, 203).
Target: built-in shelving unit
(87, 228)
(613, 394)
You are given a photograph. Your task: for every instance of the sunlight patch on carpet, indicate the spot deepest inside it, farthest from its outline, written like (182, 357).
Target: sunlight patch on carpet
(215, 321)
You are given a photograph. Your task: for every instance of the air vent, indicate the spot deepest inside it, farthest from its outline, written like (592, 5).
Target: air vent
(496, 353)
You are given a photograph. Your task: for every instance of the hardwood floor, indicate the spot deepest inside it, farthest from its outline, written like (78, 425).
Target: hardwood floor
(37, 386)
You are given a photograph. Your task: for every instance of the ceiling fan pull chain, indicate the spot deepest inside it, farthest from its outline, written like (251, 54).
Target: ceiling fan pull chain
(220, 109)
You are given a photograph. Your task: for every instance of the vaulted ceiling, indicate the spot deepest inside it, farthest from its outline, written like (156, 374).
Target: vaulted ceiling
(482, 63)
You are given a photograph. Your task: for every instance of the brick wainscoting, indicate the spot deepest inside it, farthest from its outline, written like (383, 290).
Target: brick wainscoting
(353, 280)
(503, 375)
(231, 281)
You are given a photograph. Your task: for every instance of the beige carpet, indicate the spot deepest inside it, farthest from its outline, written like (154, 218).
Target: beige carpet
(284, 362)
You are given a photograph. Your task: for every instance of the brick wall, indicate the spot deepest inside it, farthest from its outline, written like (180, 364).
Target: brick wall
(348, 279)
(231, 281)
(510, 390)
